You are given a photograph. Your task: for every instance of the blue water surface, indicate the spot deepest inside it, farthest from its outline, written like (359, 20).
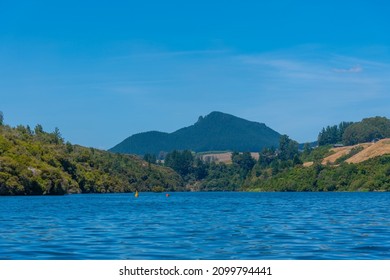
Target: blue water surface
(211, 225)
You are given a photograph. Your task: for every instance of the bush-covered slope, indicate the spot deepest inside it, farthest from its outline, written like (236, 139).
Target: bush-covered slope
(36, 162)
(327, 171)
(370, 175)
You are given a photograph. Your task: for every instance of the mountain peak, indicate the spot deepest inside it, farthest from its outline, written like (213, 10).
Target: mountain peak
(214, 114)
(219, 115)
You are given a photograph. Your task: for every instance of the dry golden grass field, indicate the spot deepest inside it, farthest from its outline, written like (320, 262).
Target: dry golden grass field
(370, 150)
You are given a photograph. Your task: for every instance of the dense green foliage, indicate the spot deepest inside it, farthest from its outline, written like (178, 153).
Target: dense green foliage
(273, 174)
(215, 132)
(333, 134)
(37, 162)
(371, 175)
(288, 149)
(181, 162)
(282, 170)
(222, 177)
(367, 130)
(350, 133)
(207, 176)
(317, 154)
(34, 162)
(272, 162)
(243, 161)
(210, 176)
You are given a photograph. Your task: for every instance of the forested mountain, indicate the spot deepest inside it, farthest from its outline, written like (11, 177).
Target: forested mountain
(34, 162)
(214, 132)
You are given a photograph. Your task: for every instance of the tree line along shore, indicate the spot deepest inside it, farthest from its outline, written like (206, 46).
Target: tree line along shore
(35, 162)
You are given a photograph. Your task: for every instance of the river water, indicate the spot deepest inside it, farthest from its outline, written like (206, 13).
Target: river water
(205, 225)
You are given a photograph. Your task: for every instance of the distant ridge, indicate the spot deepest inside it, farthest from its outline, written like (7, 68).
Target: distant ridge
(214, 132)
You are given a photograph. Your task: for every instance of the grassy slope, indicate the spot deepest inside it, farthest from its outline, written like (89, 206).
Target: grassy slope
(225, 157)
(368, 151)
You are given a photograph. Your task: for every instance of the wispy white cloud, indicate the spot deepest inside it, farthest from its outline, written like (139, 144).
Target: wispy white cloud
(355, 69)
(293, 91)
(320, 68)
(321, 86)
(170, 54)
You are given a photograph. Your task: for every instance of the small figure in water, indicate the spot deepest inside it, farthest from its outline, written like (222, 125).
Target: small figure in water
(136, 194)
(167, 194)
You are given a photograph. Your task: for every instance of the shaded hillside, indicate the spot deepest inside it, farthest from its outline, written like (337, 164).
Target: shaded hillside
(214, 132)
(36, 162)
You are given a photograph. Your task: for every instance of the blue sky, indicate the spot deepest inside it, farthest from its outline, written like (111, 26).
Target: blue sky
(103, 70)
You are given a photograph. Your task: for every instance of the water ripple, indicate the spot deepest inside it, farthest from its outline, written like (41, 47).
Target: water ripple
(197, 226)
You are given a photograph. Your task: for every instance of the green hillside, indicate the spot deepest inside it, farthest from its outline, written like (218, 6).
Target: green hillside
(370, 175)
(37, 162)
(214, 132)
(369, 172)
(34, 162)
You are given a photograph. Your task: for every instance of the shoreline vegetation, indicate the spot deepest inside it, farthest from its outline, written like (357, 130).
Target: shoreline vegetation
(35, 162)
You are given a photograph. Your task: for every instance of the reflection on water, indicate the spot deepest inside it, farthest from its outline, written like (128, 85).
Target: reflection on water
(197, 226)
